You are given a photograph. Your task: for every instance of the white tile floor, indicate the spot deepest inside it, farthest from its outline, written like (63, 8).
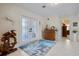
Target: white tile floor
(64, 47)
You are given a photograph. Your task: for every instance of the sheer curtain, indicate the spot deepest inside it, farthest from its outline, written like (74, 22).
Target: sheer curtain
(30, 28)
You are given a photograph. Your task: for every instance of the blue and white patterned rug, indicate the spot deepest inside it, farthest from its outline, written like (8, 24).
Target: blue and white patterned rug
(38, 48)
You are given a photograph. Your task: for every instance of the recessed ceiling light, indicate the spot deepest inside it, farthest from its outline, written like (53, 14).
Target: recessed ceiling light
(43, 6)
(49, 4)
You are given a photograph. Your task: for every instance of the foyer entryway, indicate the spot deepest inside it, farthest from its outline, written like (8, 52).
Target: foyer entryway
(65, 28)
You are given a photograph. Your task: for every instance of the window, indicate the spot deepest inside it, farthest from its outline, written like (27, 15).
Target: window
(75, 24)
(29, 28)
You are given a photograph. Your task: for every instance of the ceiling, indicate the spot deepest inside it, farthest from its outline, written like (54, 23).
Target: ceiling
(61, 9)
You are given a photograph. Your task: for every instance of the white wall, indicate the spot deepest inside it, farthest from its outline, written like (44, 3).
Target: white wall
(74, 19)
(15, 13)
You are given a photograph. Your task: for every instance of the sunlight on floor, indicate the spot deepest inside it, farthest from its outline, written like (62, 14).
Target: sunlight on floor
(68, 42)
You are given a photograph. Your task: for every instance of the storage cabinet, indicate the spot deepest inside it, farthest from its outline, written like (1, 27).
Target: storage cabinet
(49, 34)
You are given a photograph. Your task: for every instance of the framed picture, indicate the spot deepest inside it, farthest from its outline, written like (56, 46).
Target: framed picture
(75, 24)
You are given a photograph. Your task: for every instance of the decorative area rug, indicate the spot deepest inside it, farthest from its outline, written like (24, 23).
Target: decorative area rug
(38, 48)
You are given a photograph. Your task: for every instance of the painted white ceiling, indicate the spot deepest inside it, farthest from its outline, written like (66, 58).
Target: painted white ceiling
(62, 9)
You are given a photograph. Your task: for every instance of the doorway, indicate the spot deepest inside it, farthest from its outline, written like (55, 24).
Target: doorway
(65, 28)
